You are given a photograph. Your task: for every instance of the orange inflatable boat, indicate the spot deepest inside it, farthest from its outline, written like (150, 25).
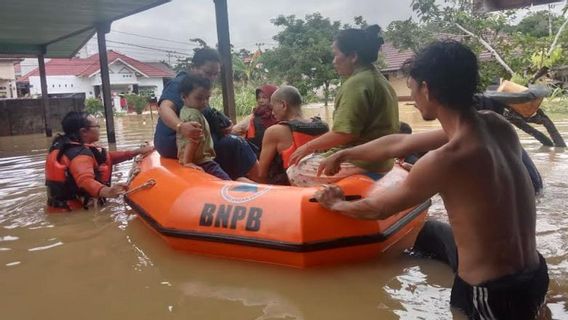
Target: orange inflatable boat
(196, 212)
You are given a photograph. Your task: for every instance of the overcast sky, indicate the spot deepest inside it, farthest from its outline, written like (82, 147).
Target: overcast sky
(170, 26)
(249, 22)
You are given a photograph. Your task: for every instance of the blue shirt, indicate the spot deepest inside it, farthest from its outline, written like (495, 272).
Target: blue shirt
(165, 138)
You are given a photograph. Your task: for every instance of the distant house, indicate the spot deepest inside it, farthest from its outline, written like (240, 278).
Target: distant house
(8, 78)
(82, 76)
(394, 59)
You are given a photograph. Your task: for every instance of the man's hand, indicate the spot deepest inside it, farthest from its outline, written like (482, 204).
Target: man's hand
(329, 195)
(191, 130)
(114, 191)
(331, 165)
(405, 165)
(193, 166)
(299, 154)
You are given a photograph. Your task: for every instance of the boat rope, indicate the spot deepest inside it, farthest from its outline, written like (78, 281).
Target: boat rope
(146, 185)
(132, 173)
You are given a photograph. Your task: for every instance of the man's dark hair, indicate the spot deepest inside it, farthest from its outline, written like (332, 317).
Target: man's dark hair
(73, 122)
(191, 82)
(365, 43)
(451, 71)
(204, 55)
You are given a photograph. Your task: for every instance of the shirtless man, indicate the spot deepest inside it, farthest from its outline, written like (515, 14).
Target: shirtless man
(475, 165)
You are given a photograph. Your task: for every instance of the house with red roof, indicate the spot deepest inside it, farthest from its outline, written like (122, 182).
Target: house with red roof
(394, 59)
(82, 76)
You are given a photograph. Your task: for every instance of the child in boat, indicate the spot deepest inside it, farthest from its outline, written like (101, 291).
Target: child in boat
(253, 126)
(197, 153)
(282, 139)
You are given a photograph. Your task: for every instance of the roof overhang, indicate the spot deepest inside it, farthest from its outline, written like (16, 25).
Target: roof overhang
(123, 62)
(58, 28)
(494, 5)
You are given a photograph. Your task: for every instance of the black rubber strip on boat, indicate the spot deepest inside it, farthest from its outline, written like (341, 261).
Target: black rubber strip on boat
(283, 246)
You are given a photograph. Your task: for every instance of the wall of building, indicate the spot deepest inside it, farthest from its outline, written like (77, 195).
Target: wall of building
(25, 116)
(8, 89)
(398, 82)
(7, 70)
(157, 84)
(7, 80)
(62, 85)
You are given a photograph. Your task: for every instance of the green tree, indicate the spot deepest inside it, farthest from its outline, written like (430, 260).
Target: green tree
(539, 24)
(246, 66)
(303, 56)
(138, 102)
(94, 106)
(512, 47)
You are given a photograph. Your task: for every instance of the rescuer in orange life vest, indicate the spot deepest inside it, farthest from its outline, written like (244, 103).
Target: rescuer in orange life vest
(76, 170)
(283, 138)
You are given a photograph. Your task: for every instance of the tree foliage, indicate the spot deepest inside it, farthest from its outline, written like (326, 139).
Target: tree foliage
(522, 51)
(303, 56)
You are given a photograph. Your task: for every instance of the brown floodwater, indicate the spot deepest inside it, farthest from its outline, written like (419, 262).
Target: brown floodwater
(106, 264)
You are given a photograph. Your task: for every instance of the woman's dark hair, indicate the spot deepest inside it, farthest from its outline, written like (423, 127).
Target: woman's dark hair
(191, 82)
(204, 55)
(73, 122)
(365, 43)
(451, 71)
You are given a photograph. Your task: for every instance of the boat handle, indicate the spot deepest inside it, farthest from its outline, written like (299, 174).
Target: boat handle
(349, 197)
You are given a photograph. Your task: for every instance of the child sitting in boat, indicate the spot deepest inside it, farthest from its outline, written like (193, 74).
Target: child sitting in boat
(282, 139)
(254, 126)
(197, 153)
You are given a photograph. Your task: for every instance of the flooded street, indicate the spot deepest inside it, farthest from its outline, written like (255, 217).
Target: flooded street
(106, 264)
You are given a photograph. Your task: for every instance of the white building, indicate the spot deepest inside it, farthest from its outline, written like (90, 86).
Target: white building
(82, 76)
(8, 78)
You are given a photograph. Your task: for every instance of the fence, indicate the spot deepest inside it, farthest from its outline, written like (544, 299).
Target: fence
(25, 116)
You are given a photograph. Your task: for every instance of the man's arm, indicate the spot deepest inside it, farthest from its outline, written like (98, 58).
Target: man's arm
(82, 171)
(268, 151)
(423, 181)
(387, 147)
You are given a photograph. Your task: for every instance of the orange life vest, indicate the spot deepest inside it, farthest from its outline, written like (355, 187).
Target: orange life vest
(302, 133)
(255, 133)
(62, 190)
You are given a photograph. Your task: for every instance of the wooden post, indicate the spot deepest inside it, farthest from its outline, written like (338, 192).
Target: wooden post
(102, 30)
(44, 96)
(226, 59)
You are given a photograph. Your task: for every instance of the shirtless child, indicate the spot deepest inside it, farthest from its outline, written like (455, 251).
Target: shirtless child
(475, 165)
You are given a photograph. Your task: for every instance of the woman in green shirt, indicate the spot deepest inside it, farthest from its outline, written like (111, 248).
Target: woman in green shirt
(366, 108)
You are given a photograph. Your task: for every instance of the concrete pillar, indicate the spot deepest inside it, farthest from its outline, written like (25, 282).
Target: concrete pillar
(102, 30)
(44, 96)
(226, 59)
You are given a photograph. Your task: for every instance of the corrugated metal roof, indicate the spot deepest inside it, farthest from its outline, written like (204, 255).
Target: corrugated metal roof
(62, 27)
